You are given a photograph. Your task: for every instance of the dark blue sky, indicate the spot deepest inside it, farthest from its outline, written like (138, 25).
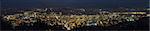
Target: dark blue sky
(74, 3)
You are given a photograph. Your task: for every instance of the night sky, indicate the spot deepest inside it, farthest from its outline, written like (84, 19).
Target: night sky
(74, 3)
